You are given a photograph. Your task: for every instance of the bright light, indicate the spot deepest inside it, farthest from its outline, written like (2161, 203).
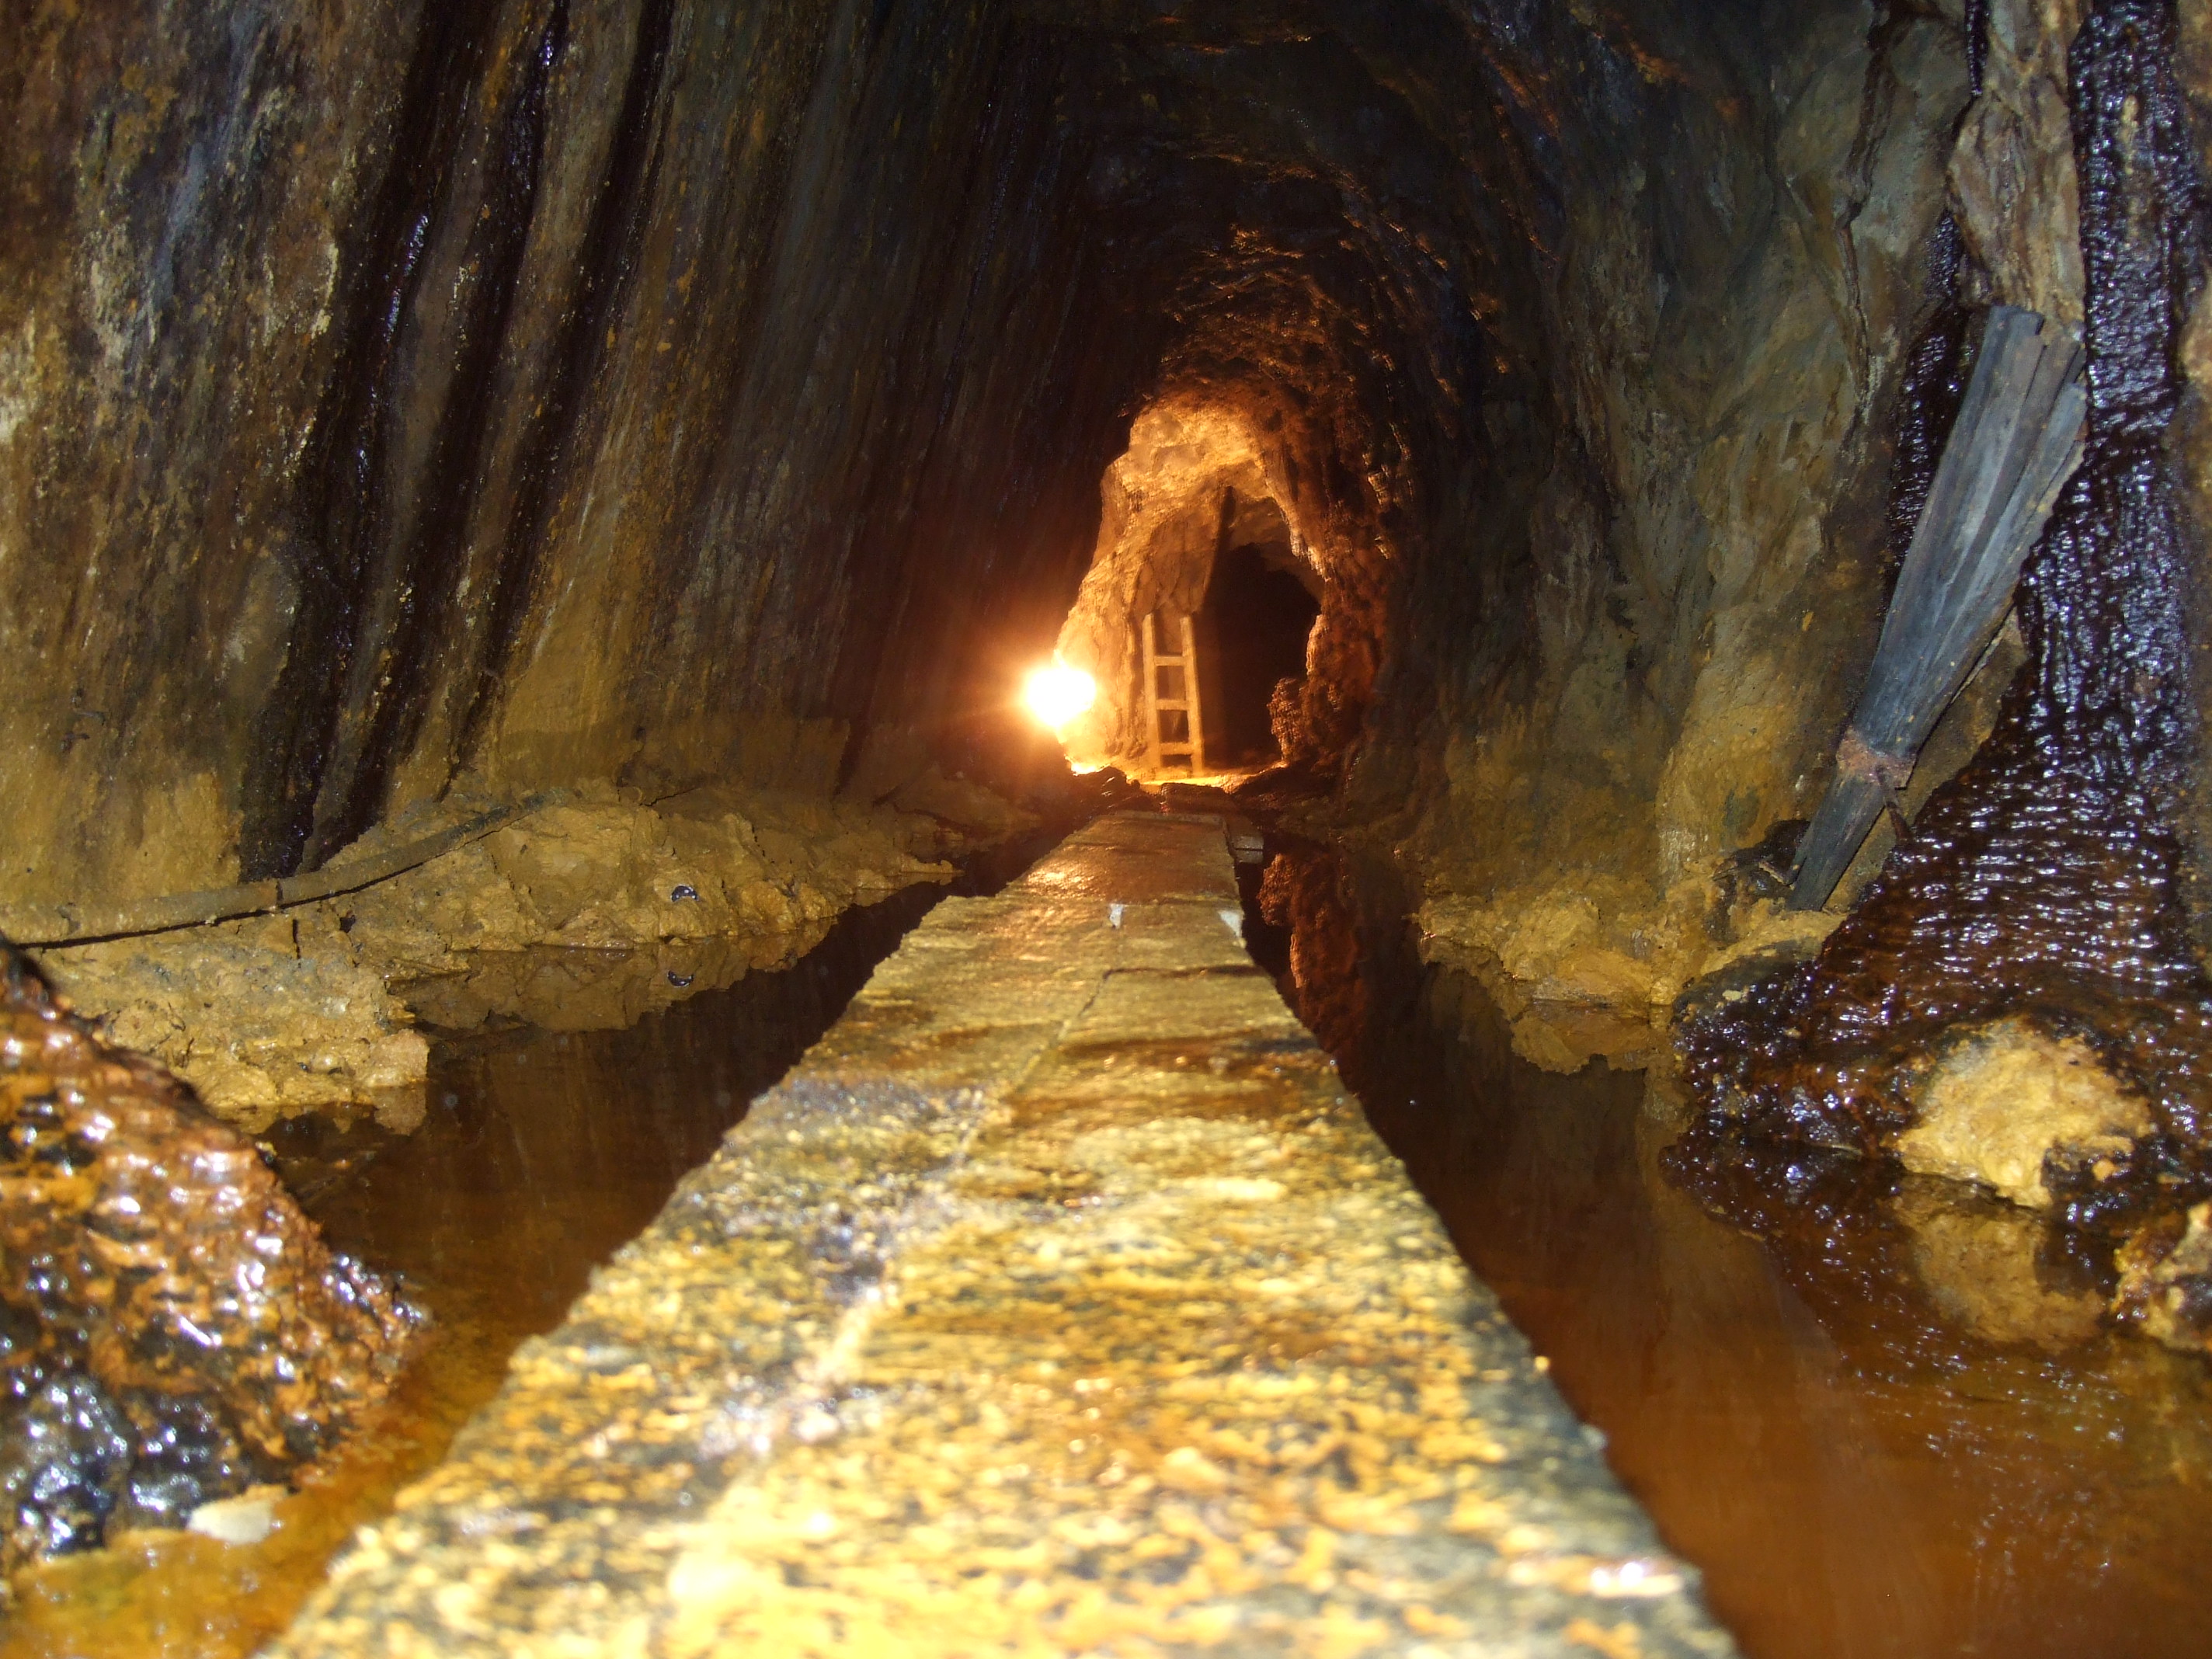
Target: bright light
(1058, 694)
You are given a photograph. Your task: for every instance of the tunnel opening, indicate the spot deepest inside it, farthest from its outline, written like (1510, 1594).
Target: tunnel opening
(1253, 628)
(1209, 587)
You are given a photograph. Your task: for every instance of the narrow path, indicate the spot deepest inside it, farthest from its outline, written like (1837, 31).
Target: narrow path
(1060, 1301)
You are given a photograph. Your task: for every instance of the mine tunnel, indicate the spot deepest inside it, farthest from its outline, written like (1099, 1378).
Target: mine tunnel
(1251, 634)
(948, 827)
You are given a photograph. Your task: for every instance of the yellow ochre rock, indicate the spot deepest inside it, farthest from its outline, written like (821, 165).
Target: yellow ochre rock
(2006, 1096)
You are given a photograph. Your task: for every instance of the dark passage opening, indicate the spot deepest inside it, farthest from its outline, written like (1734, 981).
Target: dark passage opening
(1252, 634)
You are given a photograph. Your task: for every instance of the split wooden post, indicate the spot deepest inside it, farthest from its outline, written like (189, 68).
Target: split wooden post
(2017, 439)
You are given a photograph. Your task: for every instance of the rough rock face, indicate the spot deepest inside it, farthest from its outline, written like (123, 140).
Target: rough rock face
(643, 388)
(2006, 1099)
(1576, 395)
(394, 392)
(2012, 184)
(597, 395)
(2045, 880)
(404, 400)
(1741, 277)
(2165, 1280)
(591, 911)
(171, 1329)
(1197, 478)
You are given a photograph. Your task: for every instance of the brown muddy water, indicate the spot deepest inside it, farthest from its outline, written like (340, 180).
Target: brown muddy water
(1875, 1417)
(542, 1153)
(1880, 1415)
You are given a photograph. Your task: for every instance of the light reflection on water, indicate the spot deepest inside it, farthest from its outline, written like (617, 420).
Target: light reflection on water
(541, 1153)
(1820, 1420)
(1813, 1421)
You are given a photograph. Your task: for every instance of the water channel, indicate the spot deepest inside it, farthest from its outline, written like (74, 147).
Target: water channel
(1858, 1467)
(1807, 1397)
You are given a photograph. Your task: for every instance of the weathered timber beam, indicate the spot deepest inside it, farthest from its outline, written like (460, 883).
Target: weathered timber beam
(2017, 439)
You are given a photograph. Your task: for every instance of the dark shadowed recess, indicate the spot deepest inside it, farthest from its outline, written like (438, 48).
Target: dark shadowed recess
(617, 227)
(1252, 634)
(1854, 1472)
(379, 584)
(337, 548)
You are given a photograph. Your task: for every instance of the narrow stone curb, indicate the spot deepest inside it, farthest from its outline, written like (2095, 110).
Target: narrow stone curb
(1060, 1301)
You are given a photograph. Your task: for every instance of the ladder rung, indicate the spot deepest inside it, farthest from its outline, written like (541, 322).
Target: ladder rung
(1180, 710)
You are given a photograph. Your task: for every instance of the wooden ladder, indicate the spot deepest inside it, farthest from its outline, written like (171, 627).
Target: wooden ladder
(1172, 712)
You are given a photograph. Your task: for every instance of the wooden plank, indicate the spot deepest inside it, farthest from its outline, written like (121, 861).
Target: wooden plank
(1190, 692)
(2016, 439)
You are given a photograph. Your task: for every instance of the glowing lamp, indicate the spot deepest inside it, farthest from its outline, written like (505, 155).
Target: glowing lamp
(1058, 694)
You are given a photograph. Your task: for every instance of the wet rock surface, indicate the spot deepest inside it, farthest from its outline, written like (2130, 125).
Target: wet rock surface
(174, 1329)
(1060, 1301)
(540, 1153)
(2003, 1102)
(1566, 353)
(1555, 345)
(394, 399)
(2165, 1280)
(1883, 1413)
(589, 911)
(2045, 881)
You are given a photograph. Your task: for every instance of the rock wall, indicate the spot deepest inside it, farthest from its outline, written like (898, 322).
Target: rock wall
(1742, 264)
(2019, 987)
(513, 393)
(589, 912)
(658, 392)
(1576, 346)
(667, 393)
(1200, 474)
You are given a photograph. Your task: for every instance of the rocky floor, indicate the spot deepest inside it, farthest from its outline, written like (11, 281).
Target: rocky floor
(1060, 1301)
(589, 911)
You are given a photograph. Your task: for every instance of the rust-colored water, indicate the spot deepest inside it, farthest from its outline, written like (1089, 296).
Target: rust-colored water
(1856, 1471)
(1820, 1420)
(1853, 1481)
(542, 1153)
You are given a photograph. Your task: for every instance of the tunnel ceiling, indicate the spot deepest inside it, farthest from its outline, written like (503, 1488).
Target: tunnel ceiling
(412, 399)
(1356, 223)
(556, 392)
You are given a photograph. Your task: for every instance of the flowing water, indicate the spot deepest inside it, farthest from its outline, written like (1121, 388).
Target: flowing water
(1874, 1413)
(1819, 1417)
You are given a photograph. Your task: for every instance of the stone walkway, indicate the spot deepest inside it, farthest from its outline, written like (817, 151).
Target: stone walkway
(1060, 1301)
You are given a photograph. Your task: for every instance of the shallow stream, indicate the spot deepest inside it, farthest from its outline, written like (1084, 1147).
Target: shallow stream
(541, 1154)
(1815, 1413)
(1857, 1467)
